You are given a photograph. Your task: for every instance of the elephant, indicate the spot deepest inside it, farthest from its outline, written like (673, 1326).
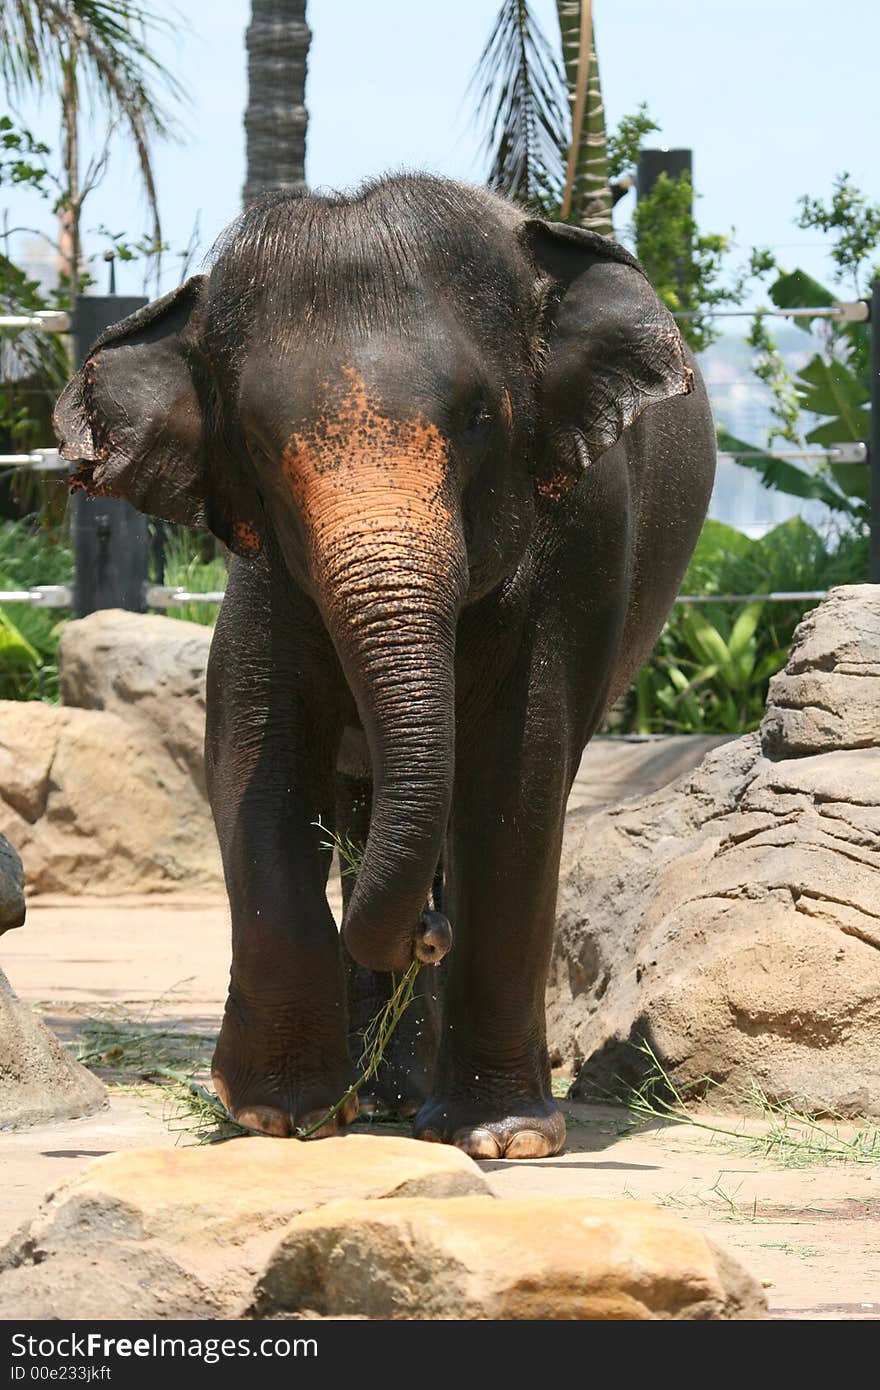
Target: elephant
(460, 456)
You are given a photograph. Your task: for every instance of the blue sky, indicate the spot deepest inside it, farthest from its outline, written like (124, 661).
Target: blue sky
(774, 96)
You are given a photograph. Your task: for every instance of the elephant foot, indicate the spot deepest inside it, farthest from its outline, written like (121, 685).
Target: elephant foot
(394, 1090)
(402, 1083)
(266, 1081)
(521, 1128)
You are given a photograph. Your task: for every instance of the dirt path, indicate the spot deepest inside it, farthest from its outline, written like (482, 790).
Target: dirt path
(811, 1234)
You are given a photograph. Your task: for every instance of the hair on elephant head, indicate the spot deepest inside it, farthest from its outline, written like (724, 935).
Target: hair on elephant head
(385, 390)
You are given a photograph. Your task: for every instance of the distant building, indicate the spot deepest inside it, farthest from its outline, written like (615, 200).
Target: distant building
(38, 260)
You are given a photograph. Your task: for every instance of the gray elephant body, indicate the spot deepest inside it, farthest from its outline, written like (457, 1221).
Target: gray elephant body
(463, 457)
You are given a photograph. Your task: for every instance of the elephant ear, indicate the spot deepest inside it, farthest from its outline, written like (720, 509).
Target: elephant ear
(613, 349)
(138, 419)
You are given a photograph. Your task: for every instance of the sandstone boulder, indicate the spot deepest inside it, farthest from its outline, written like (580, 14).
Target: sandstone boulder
(186, 1233)
(828, 696)
(732, 920)
(96, 804)
(12, 906)
(39, 1080)
(147, 669)
(539, 1258)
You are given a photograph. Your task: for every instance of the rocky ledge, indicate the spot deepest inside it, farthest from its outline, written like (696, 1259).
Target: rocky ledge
(732, 919)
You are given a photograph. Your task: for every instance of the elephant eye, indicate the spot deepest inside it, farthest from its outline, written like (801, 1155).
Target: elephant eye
(478, 420)
(257, 451)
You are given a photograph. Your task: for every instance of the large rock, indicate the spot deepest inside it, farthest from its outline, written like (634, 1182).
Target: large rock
(540, 1258)
(106, 794)
(39, 1080)
(96, 805)
(146, 669)
(12, 905)
(828, 696)
(186, 1233)
(732, 920)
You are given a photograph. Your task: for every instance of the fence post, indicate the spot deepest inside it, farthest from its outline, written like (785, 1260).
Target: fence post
(111, 541)
(874, 446)
(653, 163)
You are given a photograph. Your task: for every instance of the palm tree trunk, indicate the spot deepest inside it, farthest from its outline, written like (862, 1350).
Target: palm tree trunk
(69, 246)
(276, 118)
(587, 187)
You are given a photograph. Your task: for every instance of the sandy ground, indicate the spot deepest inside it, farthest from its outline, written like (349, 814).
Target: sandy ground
(810, 1234)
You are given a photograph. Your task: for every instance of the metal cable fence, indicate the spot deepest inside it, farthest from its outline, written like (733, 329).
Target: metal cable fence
(99, 312)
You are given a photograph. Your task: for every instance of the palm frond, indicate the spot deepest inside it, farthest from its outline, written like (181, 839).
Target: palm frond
(112, 41)
(521, 107)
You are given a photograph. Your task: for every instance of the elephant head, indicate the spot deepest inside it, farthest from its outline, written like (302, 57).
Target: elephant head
(388, 391)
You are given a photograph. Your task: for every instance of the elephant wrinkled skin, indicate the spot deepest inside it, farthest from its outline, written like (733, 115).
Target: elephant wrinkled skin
(461, 457)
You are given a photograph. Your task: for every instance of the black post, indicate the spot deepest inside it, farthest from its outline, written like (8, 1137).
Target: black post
(675, 164)
(653, 163)
(874, 449)
(111, 541)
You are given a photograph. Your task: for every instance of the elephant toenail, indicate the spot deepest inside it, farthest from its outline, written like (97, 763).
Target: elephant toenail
(528, 1143)
(431, 1136)
(265, 1119)
(478, 1143)
(314, 1117)
(433, 937)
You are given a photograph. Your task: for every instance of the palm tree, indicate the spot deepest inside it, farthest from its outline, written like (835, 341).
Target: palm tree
(276, 118)
(521, 103)
(541, 103)
(99, 48)
(587, 192)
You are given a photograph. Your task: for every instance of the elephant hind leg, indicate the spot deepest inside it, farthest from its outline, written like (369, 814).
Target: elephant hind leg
(403, 1080)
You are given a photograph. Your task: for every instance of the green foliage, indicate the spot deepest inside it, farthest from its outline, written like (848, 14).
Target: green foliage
(707, 675)
(625, 144)
(795, 1132)
(31, 555)
(99, 48)
(769, 368)
(783, 475)
(29, 636)
(124, 250)
(854, 224)
(22, 157)
(685, 266)
(835, 383)
(191, 564)
(713, 662)
(33, 366)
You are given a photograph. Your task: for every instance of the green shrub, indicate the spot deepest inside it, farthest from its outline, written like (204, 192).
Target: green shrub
(29, 636)
(713, 662)
(191, 564)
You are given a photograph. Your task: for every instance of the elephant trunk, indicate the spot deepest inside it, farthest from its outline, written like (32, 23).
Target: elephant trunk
(390, 569)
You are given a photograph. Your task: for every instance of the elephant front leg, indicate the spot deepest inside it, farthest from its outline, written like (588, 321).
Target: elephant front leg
(281, 1060)
(492, 1092)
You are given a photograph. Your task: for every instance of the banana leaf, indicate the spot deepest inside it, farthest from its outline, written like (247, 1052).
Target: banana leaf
(15, 649)
(798, 290)
(785, 476)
